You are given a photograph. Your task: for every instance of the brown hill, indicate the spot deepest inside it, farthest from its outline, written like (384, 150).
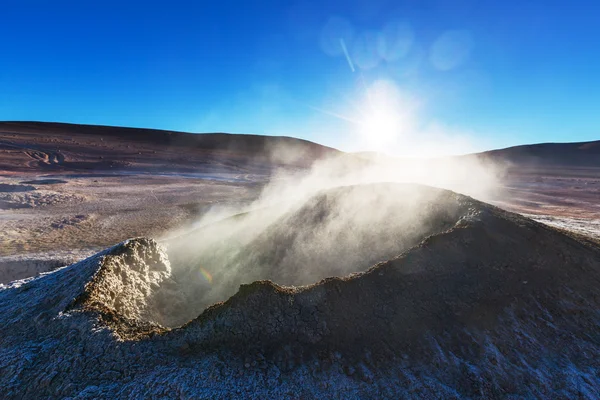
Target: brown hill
(58, 147)
(579, 154)
(584, 154)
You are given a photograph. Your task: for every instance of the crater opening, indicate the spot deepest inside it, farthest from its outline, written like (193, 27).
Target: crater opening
(337, 232)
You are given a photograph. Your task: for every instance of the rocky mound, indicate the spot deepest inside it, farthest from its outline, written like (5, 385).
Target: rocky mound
(334, 233)
(486, 304)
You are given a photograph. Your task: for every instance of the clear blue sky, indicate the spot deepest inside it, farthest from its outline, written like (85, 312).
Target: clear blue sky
(461, 75)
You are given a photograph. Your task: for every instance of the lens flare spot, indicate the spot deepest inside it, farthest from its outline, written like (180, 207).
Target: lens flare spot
(451, 50)
(206, 275)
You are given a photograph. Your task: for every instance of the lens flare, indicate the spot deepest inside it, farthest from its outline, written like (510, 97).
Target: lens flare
(206, 275)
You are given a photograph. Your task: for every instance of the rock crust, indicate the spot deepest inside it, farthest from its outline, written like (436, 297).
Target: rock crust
(496, 305)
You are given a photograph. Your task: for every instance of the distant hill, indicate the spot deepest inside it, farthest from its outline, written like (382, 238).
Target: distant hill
(580, 154)
(60, 147)
(585, 154)
(28, 146)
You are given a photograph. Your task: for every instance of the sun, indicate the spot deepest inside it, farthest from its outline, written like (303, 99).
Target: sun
(380, 128)
(385, 116)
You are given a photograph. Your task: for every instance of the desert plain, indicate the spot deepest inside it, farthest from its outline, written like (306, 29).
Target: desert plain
(67, 191)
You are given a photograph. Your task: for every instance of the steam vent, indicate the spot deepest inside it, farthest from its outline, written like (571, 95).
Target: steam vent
(381, 290)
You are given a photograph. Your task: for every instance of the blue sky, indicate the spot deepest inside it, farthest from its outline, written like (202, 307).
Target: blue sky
(405, 77)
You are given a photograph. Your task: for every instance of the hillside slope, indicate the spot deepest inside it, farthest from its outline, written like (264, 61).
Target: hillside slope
(581, 154)
(56, 147)
(488, 305)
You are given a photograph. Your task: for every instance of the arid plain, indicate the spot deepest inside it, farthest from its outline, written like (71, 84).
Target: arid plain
(67, 191)
(168, 264)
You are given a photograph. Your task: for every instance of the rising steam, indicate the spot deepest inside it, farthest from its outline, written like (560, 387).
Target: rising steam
(340, 217)
(341, 214)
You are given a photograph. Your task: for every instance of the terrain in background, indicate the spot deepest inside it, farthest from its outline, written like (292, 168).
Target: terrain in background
(278, 268)
(67, 191)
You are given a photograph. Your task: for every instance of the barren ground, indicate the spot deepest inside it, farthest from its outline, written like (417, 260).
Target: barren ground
(59, 223)
(57, 219)
(478, 310)
(91, 212)
(563, 197)
(491, 306)
(67, 191)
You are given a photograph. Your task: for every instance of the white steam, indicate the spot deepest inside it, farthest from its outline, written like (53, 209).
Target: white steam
(341, 216)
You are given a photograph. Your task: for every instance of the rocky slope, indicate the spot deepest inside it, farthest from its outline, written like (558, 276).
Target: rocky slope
(333, 233)
(479, 303)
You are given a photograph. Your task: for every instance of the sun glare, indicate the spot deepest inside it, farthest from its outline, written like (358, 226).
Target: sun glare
(380, 128)
(386, 116)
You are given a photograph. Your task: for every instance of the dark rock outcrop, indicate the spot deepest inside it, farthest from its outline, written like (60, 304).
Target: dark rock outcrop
(491, 305)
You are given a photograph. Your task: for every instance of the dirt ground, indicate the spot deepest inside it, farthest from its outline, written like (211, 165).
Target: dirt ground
(567, 198)
(67, 191)
(86, 212)
(50, 221)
